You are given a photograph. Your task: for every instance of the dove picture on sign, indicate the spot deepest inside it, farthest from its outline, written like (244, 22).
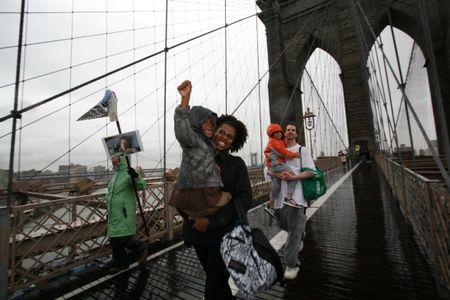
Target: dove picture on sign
(107, 107)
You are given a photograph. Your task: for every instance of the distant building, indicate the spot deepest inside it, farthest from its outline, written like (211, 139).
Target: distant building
(72, 169)
(435, 146)
(98, 169)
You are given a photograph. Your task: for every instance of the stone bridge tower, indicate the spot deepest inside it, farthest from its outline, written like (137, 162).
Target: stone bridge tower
(295, 28)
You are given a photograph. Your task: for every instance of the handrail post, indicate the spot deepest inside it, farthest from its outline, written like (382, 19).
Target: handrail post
(169, 210)
(5, 229)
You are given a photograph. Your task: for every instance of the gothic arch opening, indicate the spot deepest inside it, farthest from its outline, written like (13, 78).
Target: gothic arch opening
(322, 95)
(396, 129)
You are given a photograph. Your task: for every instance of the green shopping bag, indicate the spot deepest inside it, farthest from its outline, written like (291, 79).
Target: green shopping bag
(315, 186)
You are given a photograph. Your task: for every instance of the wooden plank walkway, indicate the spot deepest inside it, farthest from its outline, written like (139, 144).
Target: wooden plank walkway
(357, 246)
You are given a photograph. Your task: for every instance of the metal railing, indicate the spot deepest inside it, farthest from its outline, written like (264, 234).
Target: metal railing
(53, 235)
(425, 203)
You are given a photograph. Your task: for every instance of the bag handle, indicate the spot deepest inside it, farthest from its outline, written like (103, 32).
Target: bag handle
(242, 216)
(300, 151)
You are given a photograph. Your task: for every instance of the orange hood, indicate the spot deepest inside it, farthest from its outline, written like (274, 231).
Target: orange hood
(272, 128)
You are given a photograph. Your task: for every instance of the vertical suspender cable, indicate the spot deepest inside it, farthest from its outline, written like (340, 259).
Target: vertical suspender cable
(106, 78)
(14, 111)
(259, 88)
(5, 223)
(378, 92)
(408, 118)
(226, 61)
(439, 164)
(21, 103)
(402, 87)
(165, 101)
(383, 97)
(436, 85)
(134, 73)
(70, 86)
(394, 125)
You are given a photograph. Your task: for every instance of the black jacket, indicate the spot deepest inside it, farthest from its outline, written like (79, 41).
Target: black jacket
(236, 181)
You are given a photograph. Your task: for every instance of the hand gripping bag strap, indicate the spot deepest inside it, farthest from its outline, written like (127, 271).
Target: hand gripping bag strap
(250, 271)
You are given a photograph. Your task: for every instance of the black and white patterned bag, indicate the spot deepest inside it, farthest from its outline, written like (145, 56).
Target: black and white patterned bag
(250, 259)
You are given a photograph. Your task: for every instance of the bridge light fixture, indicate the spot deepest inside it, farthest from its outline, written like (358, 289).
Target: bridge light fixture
(308, 121)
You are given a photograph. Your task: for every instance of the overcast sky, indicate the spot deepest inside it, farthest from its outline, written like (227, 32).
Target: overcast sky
(57, 39)
(140, 89)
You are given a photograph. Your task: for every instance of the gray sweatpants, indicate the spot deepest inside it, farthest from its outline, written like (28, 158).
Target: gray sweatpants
(292, 220)
(276, 182)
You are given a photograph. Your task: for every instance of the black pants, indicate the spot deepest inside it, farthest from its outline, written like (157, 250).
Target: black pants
(119, 246)
(216, 274)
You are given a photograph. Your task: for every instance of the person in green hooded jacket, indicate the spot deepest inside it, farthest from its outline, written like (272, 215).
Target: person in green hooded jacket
(121, 205)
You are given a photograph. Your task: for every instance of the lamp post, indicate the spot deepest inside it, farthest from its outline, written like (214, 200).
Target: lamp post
(308, 122)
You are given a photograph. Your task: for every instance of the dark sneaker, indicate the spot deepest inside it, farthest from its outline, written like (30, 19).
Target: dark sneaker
(116, 268)
(291, 203)
(142, 256)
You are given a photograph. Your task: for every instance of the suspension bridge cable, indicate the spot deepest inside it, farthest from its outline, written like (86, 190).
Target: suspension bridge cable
(19, 162)
(326, 110)
(436, 85)
(377, 94)
(96, 91)
(390, 126)
(271, 66)
(165, 101)
(76, 146)
(433, 151)
(259, 90)
(30, 107)
(321, 63)
(394, 132)
(226, 58)
(15, 113)
(411, 140)
(326, 140)
(70, 95)
(126, 66)
(402, 86)
(361, 40)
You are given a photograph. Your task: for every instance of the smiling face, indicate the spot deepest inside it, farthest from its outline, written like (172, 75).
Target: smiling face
(224, 137)
(208, 128)
(291, 132)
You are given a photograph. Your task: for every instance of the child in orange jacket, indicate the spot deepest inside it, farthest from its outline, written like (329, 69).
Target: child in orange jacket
(276, 154)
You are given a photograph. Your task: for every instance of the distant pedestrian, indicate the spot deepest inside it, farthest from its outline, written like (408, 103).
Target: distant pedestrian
(367, 154)
(343, 156)
(121, 206)
(357, 153)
